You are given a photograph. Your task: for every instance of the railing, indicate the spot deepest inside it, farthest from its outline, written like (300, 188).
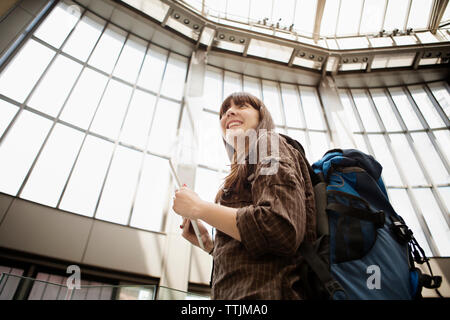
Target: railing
(14, 287)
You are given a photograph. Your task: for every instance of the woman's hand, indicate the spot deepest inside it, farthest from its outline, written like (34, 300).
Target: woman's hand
(187, 203)
(189, 234)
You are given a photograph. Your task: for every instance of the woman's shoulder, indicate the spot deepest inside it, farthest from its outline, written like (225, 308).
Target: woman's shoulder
(280, 149)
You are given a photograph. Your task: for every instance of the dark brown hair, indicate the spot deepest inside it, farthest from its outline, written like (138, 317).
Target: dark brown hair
(238, 173)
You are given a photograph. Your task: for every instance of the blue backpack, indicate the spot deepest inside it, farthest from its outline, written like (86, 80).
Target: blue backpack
(364, 250)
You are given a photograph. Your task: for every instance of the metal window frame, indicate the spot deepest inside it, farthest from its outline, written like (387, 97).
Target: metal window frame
(55, 120)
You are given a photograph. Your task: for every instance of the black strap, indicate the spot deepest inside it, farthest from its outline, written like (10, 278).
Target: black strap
(377, 217)
(321, 269)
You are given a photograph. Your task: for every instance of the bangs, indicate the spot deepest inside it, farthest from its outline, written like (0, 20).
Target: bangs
(239, 98)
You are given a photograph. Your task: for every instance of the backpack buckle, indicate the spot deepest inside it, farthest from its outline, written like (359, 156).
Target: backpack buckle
(332, 287)
(401, 230)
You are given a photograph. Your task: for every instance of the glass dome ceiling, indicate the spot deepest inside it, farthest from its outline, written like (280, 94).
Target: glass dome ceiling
(324, 35)
(327, 18)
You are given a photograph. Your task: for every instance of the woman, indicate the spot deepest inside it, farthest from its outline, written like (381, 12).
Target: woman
(261, 218)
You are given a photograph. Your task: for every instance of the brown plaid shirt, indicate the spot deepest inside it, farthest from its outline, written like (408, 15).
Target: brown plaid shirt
(276, 213)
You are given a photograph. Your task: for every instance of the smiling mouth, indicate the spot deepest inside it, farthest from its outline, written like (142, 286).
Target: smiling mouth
(234, 124)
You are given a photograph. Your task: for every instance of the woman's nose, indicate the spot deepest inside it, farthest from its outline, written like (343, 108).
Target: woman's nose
(230, 111)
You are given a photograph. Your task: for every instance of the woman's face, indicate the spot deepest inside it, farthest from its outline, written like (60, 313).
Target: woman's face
(242, 117)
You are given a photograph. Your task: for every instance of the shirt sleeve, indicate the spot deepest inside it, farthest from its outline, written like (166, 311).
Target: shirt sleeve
(276, 221)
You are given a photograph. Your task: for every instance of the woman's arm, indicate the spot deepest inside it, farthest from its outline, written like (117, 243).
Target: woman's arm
(188, 204)
(220, 217)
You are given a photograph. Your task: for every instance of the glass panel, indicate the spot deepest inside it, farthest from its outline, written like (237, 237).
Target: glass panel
(291, 104)
(383, 156)
(411, 168)
(299, 135)
(151, 197)
(419, 14)
(431, 159)
(207, 185)
(329, 19)
(319, 144)
(165, 125)
(211, 147)
(59, 23)
(52, 169)
(381, 42)
(136, 293)
(259, 9)
(39, 286)
(87, 178)
(83, 38)
(212, 90)
(405, 40)
(84, 99)
(19, 149)
(117, 196)
(272, 101)
(395, 15)
(9, 282)
(361, 143)
(238, 10)
(130, 60)
(269, 50)
(443, 139)
(252, 85)
(393, 61)
(402, 206)
(54, 287)
(165, 293)
(305, 13)
(279, 129)
(372, 16)
(365, 110)
(284, 12)
(139, 117)
(353, 43)
(153, 68)
(110, 114)
(406, 111)
(349, 16)
(442, 95)
(52, 91)
(426, 107)
(7, 113)
(154, 8)
(349, 113)
(20, 75)
(174, 77)
(445, 196)
(108, 49)
(311, 108)
(435, 220)
(428, 37)
(232, 83)
(385, 110)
